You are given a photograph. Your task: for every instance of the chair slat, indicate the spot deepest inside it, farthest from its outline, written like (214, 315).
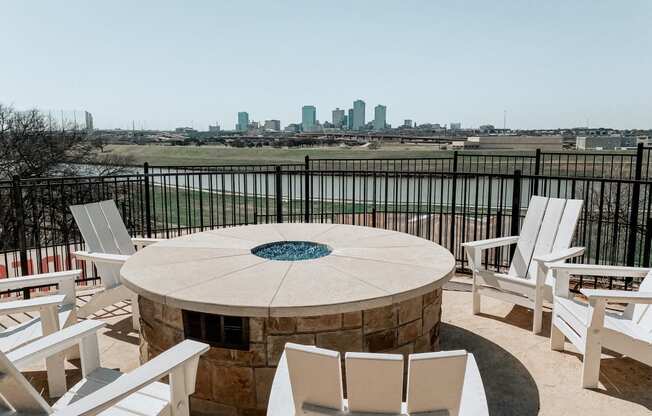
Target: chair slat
(18, 392)
(528, 236)
(568, 224)
(547, 233)
(117, 227)
(374, 382)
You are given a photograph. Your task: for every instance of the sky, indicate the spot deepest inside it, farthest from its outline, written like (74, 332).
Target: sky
(164, 64)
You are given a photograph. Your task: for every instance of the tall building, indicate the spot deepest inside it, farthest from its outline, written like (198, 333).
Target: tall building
(308, 117)
(273, 125)
(214, 129)
(407, 123)
(349, 121)
(380, 117)
(358, 115)
(456, 126)
(338, 118)
(243, 121)
(89, 121)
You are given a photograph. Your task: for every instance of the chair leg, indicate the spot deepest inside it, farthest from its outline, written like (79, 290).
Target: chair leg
(557, 338)
(476, 298)
(538, 313)
(591, 364)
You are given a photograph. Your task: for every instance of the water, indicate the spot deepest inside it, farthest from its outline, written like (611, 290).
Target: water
(291, 250)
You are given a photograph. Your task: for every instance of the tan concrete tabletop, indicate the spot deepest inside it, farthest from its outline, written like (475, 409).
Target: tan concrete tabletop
(216, 272)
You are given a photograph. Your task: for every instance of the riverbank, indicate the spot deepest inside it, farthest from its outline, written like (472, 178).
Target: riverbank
(221, 155)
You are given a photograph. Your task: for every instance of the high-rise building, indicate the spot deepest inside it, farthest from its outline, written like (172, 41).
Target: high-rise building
(243, 121)
(308, 117)
(349, 121)
(214, 129)
(338, 118)
(456, 126)
(407, 123)
(358, 115)
(89, 121)
(273, 125)
(380, 117)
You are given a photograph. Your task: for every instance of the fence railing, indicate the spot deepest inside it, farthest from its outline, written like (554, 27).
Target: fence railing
(448, 206)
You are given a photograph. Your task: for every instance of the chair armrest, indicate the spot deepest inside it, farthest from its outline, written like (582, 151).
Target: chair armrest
(31, 305)
(144, 242)
(153, 370)
(560, 255)
(618, 296)
(38, 280)
(600, 270)
(491, 243)
(101, 257)
(54, 343)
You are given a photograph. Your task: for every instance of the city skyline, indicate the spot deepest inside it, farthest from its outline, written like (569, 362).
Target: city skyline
(552, 64)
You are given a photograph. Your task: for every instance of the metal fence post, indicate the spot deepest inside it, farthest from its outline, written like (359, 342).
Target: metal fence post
(279, 194)
(537, 171)
(647, 246)
(516, 208)
(633, 214)
(306, 209)
(21, 241)
(453, 203)
(148, 213)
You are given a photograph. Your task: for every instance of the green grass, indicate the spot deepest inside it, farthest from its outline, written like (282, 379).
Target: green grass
(219, 155)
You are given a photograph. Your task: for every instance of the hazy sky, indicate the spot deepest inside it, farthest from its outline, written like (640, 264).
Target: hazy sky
(165, 64)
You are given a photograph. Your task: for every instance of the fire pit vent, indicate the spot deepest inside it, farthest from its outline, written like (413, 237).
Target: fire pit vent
(217, 330)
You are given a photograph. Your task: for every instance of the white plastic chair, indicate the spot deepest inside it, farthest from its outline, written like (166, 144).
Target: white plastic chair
(101, 391)
(108, 246)
(591, 327)
(308, 381)
(546, 234)
(55, 311)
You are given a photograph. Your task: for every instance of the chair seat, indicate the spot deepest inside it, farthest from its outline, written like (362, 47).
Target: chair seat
(30, 330)
(613, 321)
(152, 399)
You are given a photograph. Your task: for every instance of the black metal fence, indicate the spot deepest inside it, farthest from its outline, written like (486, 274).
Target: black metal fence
(446, 200)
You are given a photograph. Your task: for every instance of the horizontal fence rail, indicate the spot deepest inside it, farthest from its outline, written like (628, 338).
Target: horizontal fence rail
(445, 200)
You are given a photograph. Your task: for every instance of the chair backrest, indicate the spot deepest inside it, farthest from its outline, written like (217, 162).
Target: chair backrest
(643, 313)
(435, 381)
(17, 393)
(374, 382)
(315, 376)
(104, 232)
(549, 225)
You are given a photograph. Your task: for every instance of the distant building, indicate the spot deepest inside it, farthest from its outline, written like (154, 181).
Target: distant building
(358, 115)
(380, 117)
(308, 117)
(407, 123)
(214, 129)
(293, 128)
(456, 126)
(243, 121)
(349, 121)
(549, 142)
(184, 130)
(89, 121)
(604, 142)
(338, 118)
(487, 128)
(272, 125)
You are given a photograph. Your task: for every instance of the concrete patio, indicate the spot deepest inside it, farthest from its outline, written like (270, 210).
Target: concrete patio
(522, 376)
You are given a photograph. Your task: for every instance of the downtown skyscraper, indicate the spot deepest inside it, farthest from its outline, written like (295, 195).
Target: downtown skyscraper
(243, 121)
(380, 117)
(358, 115)
(308, 118)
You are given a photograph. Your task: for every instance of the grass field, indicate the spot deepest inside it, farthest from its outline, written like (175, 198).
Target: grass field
(219, 155)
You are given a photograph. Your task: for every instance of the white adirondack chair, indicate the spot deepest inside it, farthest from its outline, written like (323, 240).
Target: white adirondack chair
(308, 380)
(590, 327)
(55, 312)
(108, 246)
(546, 233)
(101, 391)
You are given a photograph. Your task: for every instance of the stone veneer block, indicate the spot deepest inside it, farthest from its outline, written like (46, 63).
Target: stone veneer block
(276, 344)
(281, 325)
(349, 340)
(352, 320)
(235, 386)
(380, 318)
(410, 310)
(409, 332)
(319, 323)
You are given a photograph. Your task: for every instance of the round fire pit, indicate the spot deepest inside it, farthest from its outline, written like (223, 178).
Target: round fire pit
(248, 290)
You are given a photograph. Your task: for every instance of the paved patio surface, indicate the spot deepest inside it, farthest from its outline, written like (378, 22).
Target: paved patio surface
(522, 376)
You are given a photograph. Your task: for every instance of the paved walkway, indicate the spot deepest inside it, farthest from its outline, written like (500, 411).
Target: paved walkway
(522, 376)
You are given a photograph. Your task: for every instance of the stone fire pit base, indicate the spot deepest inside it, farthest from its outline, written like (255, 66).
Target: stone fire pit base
(235, 382)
